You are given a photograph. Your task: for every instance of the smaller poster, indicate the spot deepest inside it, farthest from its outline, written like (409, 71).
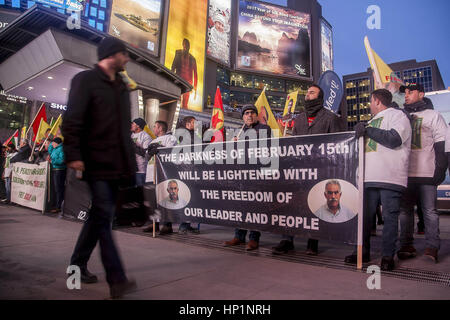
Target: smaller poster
(28, 185)
(327, 46)
(219, 30)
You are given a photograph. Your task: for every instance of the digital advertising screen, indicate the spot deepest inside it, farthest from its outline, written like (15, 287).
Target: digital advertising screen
(219, 30)
(75, 5)
(185, 48)
(137, 22)
(327, 46)
(273, 40)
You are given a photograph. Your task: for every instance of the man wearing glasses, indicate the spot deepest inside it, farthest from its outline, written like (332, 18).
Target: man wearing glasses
(333, 211)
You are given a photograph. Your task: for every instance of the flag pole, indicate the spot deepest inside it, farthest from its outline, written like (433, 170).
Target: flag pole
(26, 134)
(34, 144)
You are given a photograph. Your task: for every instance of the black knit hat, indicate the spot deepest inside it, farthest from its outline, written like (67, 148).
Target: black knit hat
(412, 87)
(110, 46)
(249, 107)
(57, 140)
(140, 122)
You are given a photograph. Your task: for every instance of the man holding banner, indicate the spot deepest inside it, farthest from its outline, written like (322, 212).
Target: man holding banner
(315, 120)
(252, 129)
(387, 150)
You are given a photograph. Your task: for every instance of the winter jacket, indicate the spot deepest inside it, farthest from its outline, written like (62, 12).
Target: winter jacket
(57, 157)
(23, 155)
(96, 126)
(325, 122)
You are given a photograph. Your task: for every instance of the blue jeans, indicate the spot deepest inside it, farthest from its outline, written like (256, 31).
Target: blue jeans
(241, 233)
(140, 179)
(426, 194)
(390, 201)
(59, 180)
(98, 227)
(8, 188)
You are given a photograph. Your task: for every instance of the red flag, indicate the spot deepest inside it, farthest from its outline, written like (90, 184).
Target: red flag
(37, 120)
(218, 118)
(14, 139)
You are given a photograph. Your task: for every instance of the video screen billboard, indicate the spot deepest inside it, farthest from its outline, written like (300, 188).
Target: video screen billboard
(273, 39)
(219, 30)
(75, 5)
(137, 22)
(185, 49)
(327, 46)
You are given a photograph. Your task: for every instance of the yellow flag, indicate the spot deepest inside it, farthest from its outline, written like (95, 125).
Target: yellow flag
(23, 133)
(43, 126)
(150, 132)
(265, 114)
(291, 102)
(55, 132)
(131, 84)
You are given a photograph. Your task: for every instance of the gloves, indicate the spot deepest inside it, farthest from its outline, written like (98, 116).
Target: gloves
(360, 130)
(153, 149)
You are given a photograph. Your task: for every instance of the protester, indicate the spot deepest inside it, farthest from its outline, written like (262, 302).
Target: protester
(428, 164)
(7, 172)
(57, 160)
(315, 120)
(186, 136)
(388, 145)
(24, 152)
(163, 139)
(96, 130)
(252, 128)
(141, 140)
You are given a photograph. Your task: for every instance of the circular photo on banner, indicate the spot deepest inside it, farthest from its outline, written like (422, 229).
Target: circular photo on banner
(334, 201)
(173, 194)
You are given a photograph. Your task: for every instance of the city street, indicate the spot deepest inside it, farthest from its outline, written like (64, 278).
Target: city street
(35, 251)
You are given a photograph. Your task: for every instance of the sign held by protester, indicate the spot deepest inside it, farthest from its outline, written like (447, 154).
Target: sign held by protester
(304, 186)
(28, 185)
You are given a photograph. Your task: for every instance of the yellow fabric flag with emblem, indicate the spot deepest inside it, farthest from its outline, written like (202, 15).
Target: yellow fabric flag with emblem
(43, 127)
(265, 114)
(291, 102)
(55, 132)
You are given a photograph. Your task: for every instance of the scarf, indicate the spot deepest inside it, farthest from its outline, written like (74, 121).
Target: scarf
(312, 107)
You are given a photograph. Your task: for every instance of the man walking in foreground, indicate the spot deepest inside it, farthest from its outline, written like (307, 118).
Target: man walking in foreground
(96, 129)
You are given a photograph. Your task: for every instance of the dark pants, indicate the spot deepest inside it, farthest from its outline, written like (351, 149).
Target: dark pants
(98, 227)
(390, 200)
(241, 233)
(59, 180)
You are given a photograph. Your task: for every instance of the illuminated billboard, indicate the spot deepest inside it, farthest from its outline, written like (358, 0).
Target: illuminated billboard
(273, 40)
(327, 46)
(185, 49)
(75, 5)
(219, 30)
(137, 22)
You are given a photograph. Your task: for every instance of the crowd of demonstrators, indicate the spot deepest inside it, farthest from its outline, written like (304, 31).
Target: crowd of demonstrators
(428, 164)
(315, 120)
(251, 127)
(9, 153)
(57, 160)
(142, 141)
(102, 150)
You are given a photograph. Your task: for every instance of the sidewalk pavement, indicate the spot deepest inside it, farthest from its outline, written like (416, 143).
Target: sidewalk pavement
(35, 250)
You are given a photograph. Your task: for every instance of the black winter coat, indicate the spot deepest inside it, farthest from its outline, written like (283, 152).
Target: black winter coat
(96, 126)
(325, 122)
(22, 155)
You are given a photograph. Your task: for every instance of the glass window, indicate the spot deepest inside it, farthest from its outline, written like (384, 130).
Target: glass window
(223, 76)
(103, 3)
(15, 3)
(101, 14)
(241, 80)
(100, 26)
(30, 3)
(93, 11)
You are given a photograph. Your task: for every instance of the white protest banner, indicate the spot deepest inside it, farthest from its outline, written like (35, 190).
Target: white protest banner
(28, 185)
